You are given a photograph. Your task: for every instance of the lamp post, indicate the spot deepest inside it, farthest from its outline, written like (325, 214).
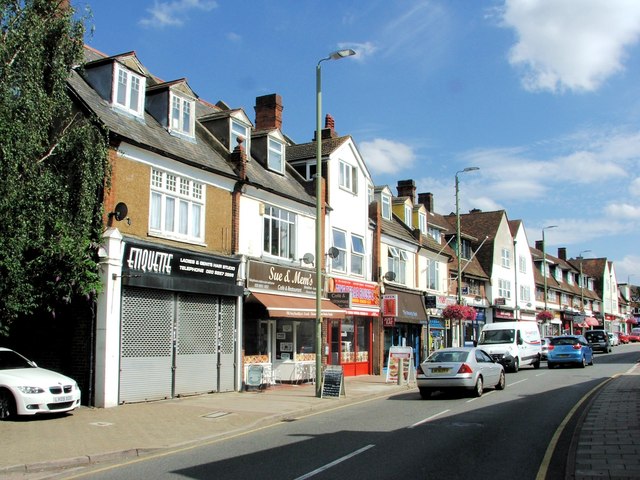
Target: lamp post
(581, 286)
(544, 264)
(458, 246)
(319, 220)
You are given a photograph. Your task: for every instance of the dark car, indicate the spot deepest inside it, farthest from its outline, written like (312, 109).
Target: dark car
(599, 340)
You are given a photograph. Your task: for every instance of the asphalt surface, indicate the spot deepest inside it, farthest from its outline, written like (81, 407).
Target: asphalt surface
(605, 436)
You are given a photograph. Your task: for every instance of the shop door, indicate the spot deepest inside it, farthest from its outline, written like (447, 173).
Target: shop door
(350, 345)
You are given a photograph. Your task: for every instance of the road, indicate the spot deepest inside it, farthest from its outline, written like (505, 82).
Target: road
(502, 435)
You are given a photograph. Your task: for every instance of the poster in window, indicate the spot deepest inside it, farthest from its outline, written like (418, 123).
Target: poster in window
(390, 305)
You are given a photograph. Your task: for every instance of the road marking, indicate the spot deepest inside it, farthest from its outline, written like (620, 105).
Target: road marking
(334, 463)
(511, 384)
(428, 419)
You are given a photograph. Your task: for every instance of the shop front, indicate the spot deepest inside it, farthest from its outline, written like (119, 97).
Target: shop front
(404, 318)
(178, 322)
(279, 322)
(350, 339)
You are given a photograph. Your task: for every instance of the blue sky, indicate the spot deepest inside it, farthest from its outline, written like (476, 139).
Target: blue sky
(542, 95)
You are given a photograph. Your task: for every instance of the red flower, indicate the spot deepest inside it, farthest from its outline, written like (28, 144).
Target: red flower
(544, 316)
(459, 312)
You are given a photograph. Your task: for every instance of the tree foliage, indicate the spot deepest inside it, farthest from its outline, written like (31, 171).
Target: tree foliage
(53, 163)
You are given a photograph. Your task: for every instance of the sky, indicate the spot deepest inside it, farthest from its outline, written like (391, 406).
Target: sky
(543, 96)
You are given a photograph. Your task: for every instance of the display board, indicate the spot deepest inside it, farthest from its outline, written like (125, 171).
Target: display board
(333, 382)
(398, 356)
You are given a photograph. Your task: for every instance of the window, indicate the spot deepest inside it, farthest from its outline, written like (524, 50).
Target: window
(386, 207)
(403, 267)
(275, 155)
(525, 293)
(465, 252)
(570, 278)
(558, 274)
(434, 233)
(433, 274)
(348, 177)
(182, 118)
(552, 295)
(422, 222)
(397, 263)
(128, 91)
(544, 269)
(407, 216)
(564, 299)
(506, 258)
(522, 264)
(239, 130)
(340, 242)
(504, 288)
(177, 206)
(357, 255)
(279, 229)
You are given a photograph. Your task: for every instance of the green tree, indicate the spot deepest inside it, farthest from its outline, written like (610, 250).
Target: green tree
(53, 164)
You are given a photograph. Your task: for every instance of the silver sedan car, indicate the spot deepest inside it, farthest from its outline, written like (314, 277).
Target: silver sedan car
(467, 368)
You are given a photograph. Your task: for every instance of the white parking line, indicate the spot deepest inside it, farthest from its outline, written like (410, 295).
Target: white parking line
(334, 463)
(483, 396)
(429, 418)
(515, 383)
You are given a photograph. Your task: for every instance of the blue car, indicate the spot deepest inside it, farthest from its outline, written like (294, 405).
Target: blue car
(569, 349)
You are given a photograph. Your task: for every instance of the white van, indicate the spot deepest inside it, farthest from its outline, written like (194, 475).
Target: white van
(512, 344)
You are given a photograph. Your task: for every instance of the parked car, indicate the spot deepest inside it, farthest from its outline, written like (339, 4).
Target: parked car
(469, 368)
(569, 349)
(623, 338)
(634, 335)
(513, 344)
(26, 389)
(544, 343)
(613, 339)
(599, 340)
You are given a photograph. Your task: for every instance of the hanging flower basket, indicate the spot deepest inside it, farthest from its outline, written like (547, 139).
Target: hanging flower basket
(544, 316)
(459, 312)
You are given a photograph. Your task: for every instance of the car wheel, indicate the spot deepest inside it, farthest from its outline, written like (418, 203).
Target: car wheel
(479, 388)
(583, 363)
(516, 366)
(536, 364)
(425, 393)
(501, 382)
(591, 362)
(7, 405)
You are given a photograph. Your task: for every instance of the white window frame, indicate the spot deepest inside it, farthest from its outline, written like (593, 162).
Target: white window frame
(393, 262)
(404, 260)
(357, 255)
(433, 274)
(348, 179)
(522, 264)
(275, 155)
(558, 274)
(185, 122)
(133, 83)
(386, 206)
(239, 129)
(177, 207)
(506, 258)
(339, 263)
(525, 293)
(283, 224)
(422, 222)
(504, 288)
(434, 233)
(407, 216)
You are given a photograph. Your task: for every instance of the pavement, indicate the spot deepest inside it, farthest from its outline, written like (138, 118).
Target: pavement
(604, 444)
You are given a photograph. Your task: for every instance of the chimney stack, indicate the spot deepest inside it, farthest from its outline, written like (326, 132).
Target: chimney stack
(269, 112)
(407, 188)
(329, 130)
(426, 199)
(562, 253)
(539, 245)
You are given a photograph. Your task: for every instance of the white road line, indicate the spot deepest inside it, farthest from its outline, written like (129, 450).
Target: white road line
(515, 383)
(483, 396)
(429, 418)
(334, 463)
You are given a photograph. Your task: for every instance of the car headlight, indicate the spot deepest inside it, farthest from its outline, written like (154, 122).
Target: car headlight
(31, 390)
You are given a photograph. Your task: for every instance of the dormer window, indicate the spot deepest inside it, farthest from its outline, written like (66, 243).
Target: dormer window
(128, 91)
(182, 117)
(275, 155)
(434, 233)
(239, 130)
(422, 223)
(386, 207)
(407, 216)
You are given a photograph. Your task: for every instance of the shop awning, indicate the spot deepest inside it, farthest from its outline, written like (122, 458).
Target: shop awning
(296, 307)
(591, 321)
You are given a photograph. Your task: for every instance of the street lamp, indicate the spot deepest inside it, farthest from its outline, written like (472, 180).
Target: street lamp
(544, 264)
(458, 246)
(581, 286)
(319, 224)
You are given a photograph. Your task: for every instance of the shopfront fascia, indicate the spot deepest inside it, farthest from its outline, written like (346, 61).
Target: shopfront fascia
(279, 322)
(351, 340)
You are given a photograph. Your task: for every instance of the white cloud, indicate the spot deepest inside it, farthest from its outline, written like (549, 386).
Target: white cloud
(172, 14)
(623, 211)
(569, 45)
(628, 269)
(363, 50)
(634, 187)
(386, 156)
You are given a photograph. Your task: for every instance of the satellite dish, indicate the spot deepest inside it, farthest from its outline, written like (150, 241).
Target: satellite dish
(390, 276)
(333, 252)
(308, 258)
(120, 212)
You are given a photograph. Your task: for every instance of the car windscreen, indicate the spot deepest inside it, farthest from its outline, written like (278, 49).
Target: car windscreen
(489, 337)
(451, 356)
(564, 341)
(591, 336)
(10, 360)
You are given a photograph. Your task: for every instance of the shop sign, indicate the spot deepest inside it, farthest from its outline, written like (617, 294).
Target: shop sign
(499, 301)
(503, 314)
(341, 299)
(434, 323)
(362, 294)
(390, 305)
(141, 260)
(388, 321)
(278, 278)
